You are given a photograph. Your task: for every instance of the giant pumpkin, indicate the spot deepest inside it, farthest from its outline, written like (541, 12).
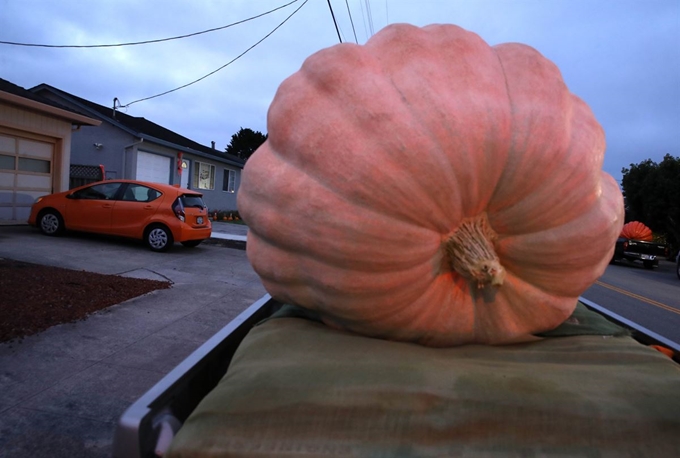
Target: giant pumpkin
(427, 187)
(637, 231)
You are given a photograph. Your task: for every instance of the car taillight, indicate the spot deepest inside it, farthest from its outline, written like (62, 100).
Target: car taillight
(178, 209)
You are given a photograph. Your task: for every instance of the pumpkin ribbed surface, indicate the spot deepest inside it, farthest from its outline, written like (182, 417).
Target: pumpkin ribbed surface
(430, 188)
(636, 230)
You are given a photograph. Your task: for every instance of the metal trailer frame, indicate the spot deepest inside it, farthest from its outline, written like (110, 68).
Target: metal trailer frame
(147, 427)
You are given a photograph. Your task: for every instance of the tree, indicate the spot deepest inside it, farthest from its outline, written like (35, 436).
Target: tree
(244, 143)
(652, 193)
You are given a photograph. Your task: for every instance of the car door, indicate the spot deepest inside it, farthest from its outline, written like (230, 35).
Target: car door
(134, 209)
(89, 209)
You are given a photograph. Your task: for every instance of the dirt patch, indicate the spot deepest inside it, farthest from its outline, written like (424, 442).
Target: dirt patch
(35, 297)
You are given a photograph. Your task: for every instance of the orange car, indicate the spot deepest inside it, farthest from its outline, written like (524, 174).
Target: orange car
(159, 214)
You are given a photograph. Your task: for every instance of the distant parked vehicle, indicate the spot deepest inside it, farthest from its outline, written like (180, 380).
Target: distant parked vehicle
(158, 214)
(637, 250)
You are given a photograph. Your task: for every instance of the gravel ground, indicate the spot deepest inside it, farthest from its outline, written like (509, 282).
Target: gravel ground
(35, 297)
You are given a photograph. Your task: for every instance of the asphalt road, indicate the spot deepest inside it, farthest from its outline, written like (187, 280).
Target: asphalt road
(650, 298)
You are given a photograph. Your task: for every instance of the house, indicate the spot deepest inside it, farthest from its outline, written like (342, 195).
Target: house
(35, 146)
(136, 148)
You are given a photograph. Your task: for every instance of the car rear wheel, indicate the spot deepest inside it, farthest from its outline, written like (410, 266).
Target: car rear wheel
(51, 223)
(191, 243)
(158, 238)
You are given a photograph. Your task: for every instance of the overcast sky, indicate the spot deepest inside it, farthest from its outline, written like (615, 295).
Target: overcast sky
(621, 56)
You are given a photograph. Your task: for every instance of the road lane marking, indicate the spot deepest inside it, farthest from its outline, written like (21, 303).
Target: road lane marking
(638, 297)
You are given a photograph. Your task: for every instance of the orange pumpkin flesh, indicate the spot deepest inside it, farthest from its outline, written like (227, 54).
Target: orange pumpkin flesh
(381, 161)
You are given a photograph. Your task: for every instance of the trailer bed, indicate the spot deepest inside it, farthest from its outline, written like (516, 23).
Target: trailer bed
(161, 417)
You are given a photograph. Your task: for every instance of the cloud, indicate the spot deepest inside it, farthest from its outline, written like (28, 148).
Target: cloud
(620, 56)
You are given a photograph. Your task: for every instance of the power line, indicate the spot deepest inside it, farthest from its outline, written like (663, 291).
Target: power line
(223, 66)
(147, 41)
(369, 14)
(334, 21)
(363, 17)
(352, 22)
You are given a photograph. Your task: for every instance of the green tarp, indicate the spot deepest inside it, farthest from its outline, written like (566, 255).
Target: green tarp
(298, 388)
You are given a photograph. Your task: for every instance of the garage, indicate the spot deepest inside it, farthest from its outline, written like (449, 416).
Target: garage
(26, 173)
(153, 167)
(35, 149)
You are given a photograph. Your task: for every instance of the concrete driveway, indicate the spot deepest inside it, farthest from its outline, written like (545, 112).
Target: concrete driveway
(62, 391)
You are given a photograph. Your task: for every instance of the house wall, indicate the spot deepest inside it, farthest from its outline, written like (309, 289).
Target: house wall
(83, 150)
(110, 154)
(118, 155)
(215, 199)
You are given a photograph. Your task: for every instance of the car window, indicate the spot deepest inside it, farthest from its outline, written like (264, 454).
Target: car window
(104, 191)
(139, 193)
(192, 200)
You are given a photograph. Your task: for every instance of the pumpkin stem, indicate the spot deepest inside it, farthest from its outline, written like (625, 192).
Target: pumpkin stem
(471, 253)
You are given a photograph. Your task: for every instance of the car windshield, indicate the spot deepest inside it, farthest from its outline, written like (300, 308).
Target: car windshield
(192, 200)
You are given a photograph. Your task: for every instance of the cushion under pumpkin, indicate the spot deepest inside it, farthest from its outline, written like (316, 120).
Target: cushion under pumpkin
(297, 388)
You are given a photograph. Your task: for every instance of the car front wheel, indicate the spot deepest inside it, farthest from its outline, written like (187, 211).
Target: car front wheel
(158, 238)
(51, 223)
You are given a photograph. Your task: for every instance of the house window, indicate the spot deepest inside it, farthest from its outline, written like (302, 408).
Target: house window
(204, 175)
(26, 164)
(6, 162)
(229, 181)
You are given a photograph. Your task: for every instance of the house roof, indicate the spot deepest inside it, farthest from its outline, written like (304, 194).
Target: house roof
(17, 95)
(143, 128)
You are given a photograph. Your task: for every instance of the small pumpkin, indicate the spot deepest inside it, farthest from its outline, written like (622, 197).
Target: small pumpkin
(427, 187)
(635, 230)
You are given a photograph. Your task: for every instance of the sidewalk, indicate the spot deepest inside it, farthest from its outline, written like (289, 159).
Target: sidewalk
(63, 390)
(229, 231)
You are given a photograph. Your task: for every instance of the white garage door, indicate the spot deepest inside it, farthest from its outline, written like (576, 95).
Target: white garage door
(25, 174)
(153, 167)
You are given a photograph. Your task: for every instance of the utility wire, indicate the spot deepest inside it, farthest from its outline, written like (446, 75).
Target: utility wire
(370, 16)
(352, 22)
(148, 41)
(223, 66)
(334, 21)
(363, 17)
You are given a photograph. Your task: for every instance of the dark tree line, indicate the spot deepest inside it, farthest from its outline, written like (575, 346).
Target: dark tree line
(244, 142)
(652, 193)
